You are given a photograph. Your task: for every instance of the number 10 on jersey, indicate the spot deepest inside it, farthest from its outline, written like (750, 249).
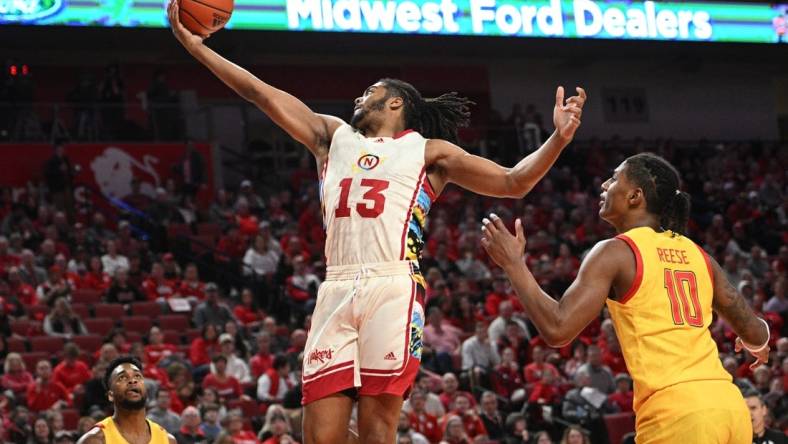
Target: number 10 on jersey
(682, 307)
(373, 204)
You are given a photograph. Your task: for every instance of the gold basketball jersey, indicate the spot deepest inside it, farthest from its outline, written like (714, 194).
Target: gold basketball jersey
(112, 435)
(663, 321)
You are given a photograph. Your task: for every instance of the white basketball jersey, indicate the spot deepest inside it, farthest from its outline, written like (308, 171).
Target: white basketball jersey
(375, 197)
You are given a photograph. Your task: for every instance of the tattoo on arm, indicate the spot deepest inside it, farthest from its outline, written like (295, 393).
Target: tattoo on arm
(735, 310)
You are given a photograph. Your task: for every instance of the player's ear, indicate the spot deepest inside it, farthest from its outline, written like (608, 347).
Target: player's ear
(395, 103)
(635, 196)
(110, 396)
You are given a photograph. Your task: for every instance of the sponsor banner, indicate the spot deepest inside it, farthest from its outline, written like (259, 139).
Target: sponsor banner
(107, 168)
(614, 19)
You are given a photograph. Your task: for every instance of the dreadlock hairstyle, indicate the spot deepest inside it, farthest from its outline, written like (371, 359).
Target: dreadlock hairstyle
(660, 183)
(433, 118)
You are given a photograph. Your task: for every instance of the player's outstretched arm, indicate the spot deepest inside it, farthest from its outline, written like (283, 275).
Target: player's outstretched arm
(93, 436)
(559, 322)
(291, 114)
(730, 304)
(483, 176)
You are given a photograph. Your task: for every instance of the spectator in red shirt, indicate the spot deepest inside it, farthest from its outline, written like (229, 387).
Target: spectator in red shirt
(274, 384)
(246, 221)
(263, 359)
(623, 396)
(73, 279)
(302, 285)
(612, 356)
(545, 390)
(157, 349)
(17, 287)
(420, 420)
(204, 347)
(474, 426)
(15, 376)
(534, 371)
(71, 373)
(157, 287)
(191, 287)
(451, 390)
(247, 311)
(95, 278)
(44, 393)
(231, 246)
(158, 374)
(235, 428)
(226, 386)
(117, 337)
(496, 296)
(506, 379)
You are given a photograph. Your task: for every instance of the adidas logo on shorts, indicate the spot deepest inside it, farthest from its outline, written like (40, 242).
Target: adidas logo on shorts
(390, 357)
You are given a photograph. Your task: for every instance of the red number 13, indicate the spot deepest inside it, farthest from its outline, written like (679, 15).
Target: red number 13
(374, 199)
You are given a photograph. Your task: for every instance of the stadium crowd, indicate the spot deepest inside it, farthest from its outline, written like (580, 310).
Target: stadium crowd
(216, 302)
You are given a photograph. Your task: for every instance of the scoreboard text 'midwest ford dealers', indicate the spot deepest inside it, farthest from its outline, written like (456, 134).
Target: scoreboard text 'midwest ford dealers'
(554, 18)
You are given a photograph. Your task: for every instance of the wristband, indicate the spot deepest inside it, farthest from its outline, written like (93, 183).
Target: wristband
(752, 349)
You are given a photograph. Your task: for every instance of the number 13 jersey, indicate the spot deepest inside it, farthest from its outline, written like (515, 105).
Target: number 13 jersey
(375, 197)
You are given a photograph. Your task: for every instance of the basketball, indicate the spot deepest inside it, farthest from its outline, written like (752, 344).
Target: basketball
(204, 17)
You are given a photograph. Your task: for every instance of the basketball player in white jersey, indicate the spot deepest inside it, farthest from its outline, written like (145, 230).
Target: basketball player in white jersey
(379, 176)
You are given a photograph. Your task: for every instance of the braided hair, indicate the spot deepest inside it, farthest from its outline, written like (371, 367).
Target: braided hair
(660, 183)
(433, 118)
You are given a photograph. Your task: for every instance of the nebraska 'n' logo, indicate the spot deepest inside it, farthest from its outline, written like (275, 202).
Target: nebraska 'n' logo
(368, 161)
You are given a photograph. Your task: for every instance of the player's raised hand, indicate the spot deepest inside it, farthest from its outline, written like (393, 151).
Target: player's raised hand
(186, 37)
(567, 113)
(503, 247)
(761, 356)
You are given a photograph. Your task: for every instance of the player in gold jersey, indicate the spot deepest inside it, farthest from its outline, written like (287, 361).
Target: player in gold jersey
(126, 390)
(660, 289)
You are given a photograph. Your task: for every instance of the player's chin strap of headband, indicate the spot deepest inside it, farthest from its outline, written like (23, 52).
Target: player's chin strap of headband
(753, 349)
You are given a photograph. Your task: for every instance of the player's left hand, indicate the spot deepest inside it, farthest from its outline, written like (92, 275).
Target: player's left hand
(504, 248)
(761, 356)
(188, 39)
(566, 114)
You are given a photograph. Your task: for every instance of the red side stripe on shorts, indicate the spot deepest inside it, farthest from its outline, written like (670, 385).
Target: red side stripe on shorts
(326, 370)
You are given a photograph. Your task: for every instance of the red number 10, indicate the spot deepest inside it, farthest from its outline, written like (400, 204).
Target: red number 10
(374, 194)
(679, 304)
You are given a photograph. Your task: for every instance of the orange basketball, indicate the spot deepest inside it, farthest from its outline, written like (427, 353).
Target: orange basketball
(204, 17)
